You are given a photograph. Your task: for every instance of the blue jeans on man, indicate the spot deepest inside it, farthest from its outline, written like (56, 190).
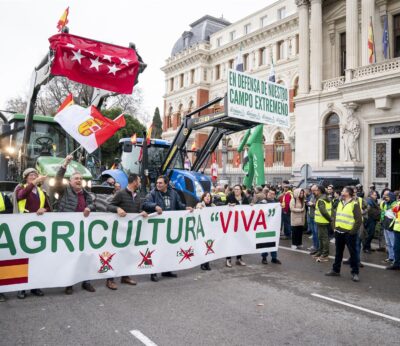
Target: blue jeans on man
(287, 229)
(314, 231)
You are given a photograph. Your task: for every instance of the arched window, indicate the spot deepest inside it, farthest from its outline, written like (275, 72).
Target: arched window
(179, 115)
(332, 137)
(190, 108)
(169, 117)
(230, 150)
(279, 148)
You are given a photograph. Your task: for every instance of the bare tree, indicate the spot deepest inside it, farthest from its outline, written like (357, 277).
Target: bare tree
(16, 104)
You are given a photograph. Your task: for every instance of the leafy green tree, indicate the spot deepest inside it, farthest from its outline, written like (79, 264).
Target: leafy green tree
(109, 150)
(157, 124)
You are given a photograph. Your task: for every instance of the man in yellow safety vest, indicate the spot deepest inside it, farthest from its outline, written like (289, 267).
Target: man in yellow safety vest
(347, 222)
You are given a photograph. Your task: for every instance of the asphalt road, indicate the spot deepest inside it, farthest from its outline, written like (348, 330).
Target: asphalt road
(253, 305)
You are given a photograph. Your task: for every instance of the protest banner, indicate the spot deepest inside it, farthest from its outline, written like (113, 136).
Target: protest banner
(61, 249)
(257, 100)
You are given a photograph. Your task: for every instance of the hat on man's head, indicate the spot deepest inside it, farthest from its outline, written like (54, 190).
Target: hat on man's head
(29, 171)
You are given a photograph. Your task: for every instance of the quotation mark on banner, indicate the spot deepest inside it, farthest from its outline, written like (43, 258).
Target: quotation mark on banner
(215, 217)
(271, 212)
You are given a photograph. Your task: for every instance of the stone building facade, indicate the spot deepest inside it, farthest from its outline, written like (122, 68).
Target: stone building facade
(345, 111)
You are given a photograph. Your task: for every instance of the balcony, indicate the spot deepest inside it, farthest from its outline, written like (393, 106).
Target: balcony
(376, 70)
(332, 84)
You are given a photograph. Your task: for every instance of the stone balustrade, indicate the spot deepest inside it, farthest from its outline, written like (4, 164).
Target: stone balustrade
(371, 71)
(333, 83)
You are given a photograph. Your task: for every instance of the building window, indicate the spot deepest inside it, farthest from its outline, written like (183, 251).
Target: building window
(217, 72)
(280, 50)
(181, 80)
(247, 29)
(396, 36)
(246, 62)
(205, 75)
(219, 41)
(332, 137)
(190, 108)
(231, 64)
(171, 84)
(281, 13)
(342, 53)
(232, 35)
(169, 121)
(279, 148)
(230, 151)
(262, 56)
(192, 73)
(264, 21)
(297, 43)
(179, 115)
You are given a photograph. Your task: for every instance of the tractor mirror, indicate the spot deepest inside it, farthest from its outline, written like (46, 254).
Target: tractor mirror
(127, 147)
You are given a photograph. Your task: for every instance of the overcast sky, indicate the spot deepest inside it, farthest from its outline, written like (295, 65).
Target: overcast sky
(153, 25)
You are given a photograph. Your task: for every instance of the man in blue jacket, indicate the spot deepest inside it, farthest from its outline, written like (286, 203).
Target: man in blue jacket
(163, 198)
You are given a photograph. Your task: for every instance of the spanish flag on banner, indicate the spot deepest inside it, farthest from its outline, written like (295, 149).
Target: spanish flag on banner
(371, 43)
(14, 271)
(63, 21)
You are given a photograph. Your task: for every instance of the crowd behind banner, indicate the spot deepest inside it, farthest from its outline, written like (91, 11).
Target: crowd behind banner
(346, 217)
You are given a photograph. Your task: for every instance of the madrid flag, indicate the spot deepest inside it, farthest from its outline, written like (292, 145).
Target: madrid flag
(98, 64)
(88, 126)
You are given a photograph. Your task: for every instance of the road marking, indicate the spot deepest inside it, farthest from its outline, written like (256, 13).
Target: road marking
(367, 264)
(356, 307)
(143, 338)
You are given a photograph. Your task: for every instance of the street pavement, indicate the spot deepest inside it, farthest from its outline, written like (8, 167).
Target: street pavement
(253, 305)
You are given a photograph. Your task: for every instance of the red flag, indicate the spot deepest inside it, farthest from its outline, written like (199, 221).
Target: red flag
(63, 21)
(148, 137)
(237, 160)
(371, 43)
(214, 167)
(133, 139)
(69, 100)
(101, 65)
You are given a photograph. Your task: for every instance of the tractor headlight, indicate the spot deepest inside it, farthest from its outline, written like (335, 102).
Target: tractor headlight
(199, 189)
(84, 182)
(89, 184)
(56, 195)
(52, 182)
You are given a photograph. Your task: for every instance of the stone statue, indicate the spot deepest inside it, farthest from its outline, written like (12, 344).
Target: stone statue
(351, 135)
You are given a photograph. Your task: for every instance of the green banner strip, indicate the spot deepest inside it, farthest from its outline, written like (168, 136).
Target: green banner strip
(265, 234)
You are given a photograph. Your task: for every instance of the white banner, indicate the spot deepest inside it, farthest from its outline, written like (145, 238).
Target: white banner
(257, 100)
(61, 249)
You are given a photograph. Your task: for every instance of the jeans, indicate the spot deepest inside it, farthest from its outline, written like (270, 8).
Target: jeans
(323, 237)
(370, 226)
(314, 230)
(350, 240)
(389, 238)
(274, 255)
(287, 229)
(396, 249)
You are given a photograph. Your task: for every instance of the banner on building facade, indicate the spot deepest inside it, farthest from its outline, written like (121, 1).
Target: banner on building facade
(61, 249)
(258, 100)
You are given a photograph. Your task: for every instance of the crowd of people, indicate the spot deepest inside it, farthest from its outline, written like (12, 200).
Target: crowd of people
(347, 216)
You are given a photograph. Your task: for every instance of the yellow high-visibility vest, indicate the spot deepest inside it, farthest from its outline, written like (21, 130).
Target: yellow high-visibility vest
(2, 203)
(344, 216)
(319, 218)
(42, 199)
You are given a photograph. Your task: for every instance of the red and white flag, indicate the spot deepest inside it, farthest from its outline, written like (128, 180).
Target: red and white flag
(88, 126)
(214, 168)
(98, 64)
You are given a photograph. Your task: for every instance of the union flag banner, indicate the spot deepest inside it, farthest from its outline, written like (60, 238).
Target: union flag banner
(98, 64)
(88, 126)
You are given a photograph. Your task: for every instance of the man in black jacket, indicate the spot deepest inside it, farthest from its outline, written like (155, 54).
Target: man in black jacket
(163, 198)
(73, 198)
(126, 201)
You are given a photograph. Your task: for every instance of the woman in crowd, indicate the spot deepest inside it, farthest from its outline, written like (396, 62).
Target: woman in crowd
(205, 202)
(297, 217)
(236, 198)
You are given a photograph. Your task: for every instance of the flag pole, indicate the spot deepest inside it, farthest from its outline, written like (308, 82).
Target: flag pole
(75, 150)
(373, 37)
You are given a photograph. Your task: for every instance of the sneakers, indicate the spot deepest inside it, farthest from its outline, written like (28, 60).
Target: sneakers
(228, 263)
(276, 261)
(322, 259)
(264, 261)
(21, 295)
(205, 266)
(300, 247)
(388, 260)
(332, 273)
(240, 262)
(154, 277)
(69, 290)
(37, 292)
(293, 247)
(355, 278)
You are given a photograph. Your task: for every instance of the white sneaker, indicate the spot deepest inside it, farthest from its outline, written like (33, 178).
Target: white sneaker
(332, 240)
(294, 247)
(228, 263)
(240, 262)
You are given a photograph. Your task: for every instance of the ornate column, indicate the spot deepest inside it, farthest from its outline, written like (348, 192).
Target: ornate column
(351, 37)
(316, 45)
(304, 43)
(367, 11)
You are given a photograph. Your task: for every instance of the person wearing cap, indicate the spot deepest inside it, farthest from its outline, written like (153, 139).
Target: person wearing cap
(73, 198)
(30, 198)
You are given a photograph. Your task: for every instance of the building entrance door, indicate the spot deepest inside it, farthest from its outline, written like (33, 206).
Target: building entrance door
(395, 160)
